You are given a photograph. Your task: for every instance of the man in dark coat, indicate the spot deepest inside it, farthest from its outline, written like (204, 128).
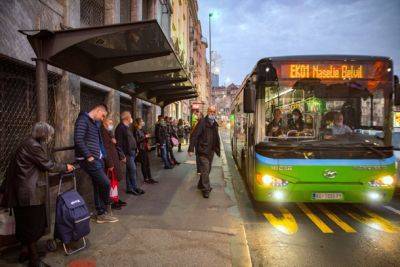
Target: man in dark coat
(127, 143)
(205, 139)
(114, 156)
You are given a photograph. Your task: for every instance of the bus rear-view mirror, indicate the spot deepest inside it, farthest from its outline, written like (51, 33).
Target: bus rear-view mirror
(249, 99)
(396, 91)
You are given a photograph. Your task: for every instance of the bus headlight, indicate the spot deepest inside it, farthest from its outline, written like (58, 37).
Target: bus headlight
(269, 180)
(386, 180)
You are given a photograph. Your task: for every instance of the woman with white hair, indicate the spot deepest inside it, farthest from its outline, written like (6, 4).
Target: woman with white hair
(25, 188)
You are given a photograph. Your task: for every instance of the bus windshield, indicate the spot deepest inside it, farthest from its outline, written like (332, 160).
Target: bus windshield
(312, 113)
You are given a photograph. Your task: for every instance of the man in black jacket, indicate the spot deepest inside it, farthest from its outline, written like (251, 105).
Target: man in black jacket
(127, 143)
(205, 139)
(90, 153)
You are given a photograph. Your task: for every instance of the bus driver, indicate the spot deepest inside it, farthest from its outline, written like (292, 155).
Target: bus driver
(339, 128)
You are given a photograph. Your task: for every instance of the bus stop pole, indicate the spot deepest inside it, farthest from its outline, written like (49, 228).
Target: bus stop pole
(41, 90)
(42, 102)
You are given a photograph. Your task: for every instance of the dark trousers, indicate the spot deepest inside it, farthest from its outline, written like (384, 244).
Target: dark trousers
(145, 164)
(101, 183)
(205, 169)
(171, 154)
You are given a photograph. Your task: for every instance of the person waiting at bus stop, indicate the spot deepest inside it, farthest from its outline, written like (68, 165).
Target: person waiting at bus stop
(127, 143)
(90, 153)
(142, 139)
(275, 127)
(113, 159)
(162, 136)
(24, 189)
(205, 139)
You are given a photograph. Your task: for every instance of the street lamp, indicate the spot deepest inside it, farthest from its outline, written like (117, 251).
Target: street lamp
(209, 38)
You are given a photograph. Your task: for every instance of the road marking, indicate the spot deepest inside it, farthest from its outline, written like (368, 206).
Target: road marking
(373, 220)
(314, 218)
(287, 224)
(392, 209)
(347, 228)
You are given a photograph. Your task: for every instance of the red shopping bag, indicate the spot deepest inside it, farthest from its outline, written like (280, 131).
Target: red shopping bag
(113, 185)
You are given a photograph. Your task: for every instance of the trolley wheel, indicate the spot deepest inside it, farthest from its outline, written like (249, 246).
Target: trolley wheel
(51, 245)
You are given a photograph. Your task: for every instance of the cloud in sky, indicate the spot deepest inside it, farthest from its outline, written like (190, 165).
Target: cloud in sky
(248, 30)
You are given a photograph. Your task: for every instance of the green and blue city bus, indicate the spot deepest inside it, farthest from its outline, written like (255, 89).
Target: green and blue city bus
(341, 153)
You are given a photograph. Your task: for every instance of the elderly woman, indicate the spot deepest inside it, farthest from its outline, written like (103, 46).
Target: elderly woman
(25, 188)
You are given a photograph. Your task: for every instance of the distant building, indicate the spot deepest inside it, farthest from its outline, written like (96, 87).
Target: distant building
(222, 97)
(215, 80)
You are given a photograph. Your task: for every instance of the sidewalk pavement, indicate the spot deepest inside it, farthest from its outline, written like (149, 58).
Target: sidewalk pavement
(170, 225)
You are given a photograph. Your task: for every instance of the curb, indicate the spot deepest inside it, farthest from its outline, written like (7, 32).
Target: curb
(239, 246)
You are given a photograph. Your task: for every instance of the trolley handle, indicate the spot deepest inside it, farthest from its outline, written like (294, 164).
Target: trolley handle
(66, 175)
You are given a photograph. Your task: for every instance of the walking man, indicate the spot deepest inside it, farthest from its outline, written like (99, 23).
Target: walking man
(90, 152)
(205, 140)
(127, 143)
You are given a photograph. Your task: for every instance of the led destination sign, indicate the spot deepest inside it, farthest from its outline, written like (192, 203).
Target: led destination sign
(328, 71)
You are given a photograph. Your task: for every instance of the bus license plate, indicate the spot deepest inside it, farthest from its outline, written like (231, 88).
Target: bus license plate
(327, 196)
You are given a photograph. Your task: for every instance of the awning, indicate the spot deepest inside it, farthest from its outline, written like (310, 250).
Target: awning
(135, 58)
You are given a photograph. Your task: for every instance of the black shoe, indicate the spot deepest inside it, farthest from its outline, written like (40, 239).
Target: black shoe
(133, 193)
(206, 194)
(24, 256)
(139, 191)
(115, 206)
(122, 203)
(150, 181)
(168, 167)
(177, 163)
(38, 263)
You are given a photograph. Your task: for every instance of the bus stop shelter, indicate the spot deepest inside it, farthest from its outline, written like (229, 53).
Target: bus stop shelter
(134, 58)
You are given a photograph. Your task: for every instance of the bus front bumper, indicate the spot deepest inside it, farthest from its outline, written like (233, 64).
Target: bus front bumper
(324, 193)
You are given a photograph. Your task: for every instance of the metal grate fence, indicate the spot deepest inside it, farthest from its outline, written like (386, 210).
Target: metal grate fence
(90, 97)
(18, 106)
(92, 12)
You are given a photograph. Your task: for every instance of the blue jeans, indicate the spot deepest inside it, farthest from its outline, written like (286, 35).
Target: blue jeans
(100, 181)
(131, 175)
(164, 156)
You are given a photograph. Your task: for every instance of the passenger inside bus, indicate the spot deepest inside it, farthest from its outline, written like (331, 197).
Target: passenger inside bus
(275, 127)
(296, 122)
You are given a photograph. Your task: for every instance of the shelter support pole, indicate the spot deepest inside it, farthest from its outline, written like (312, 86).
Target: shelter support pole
(41, 90)
(134, 107)
(163, 111)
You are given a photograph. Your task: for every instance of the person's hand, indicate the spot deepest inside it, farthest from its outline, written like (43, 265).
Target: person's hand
(70, 168)
(274, 129)
(111, 169)
(148, 135)
(90, 159)
(190, 154)
(113, 140)
(124, 160)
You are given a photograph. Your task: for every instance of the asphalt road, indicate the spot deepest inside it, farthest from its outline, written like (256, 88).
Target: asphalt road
(299, 234)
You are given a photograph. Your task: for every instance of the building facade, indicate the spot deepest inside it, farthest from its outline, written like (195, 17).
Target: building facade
(222, 98)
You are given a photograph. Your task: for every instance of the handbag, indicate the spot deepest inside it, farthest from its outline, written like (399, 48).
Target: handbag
(175, 142)
(113, 185)
(7, 222)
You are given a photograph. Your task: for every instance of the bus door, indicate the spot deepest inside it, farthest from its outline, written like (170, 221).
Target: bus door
(250, 151)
